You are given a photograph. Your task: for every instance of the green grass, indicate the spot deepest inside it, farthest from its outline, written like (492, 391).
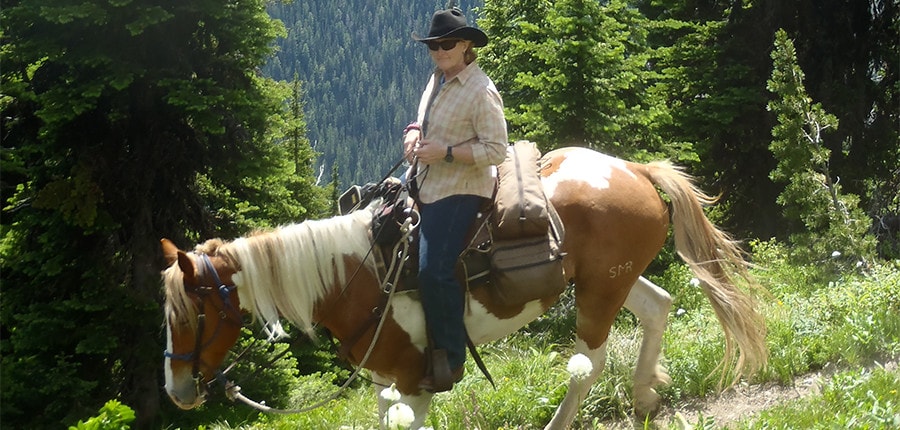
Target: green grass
(855, 399)
(847, 320)
(530, 382)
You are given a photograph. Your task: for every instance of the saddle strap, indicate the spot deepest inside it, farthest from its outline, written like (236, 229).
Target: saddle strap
(344, 351)
(479, 362)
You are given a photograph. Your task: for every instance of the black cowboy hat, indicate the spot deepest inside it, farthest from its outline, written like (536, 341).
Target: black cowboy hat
(451, 24)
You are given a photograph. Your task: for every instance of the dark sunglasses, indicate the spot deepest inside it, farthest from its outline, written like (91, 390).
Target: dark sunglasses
(446, 45)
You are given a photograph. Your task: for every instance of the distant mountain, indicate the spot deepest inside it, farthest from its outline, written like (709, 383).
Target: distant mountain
(362, 75)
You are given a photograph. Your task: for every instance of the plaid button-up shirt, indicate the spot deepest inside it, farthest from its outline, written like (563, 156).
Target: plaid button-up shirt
(467, 110)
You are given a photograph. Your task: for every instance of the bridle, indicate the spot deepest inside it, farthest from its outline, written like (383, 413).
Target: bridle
(389, 285)
(226, 313)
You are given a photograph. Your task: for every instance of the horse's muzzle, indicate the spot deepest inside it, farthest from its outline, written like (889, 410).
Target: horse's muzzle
(188, 396)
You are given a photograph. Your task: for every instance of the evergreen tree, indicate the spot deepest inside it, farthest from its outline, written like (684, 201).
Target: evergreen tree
(123, 122)
(849, 49)
(575, 72)
(833, 223)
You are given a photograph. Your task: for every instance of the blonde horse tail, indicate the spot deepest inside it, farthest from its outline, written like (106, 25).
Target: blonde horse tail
(719, 264)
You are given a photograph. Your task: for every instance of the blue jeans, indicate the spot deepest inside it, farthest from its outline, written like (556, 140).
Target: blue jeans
(442, 233)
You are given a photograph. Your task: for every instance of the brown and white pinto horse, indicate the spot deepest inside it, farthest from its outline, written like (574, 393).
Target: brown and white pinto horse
(616, 223)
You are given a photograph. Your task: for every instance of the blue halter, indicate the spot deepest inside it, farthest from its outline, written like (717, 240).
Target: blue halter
(201, 292)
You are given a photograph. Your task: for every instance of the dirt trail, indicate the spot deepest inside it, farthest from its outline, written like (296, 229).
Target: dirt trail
(738, 402)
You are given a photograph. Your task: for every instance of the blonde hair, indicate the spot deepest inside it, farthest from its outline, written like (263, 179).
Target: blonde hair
(470, 55)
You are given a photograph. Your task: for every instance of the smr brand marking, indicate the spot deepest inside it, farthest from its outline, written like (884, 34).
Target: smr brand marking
(620, 270)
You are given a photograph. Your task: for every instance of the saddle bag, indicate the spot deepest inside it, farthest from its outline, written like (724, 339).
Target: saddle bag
(517, 271)
(520, 206)
(529, 268)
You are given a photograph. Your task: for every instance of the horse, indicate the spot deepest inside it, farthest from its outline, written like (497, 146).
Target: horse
(616, 214)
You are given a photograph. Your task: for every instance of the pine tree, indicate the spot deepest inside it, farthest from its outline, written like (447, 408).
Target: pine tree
(124, 122)
(834, 224)
(574, 73)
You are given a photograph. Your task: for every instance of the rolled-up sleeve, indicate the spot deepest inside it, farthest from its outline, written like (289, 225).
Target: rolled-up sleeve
(490, 126)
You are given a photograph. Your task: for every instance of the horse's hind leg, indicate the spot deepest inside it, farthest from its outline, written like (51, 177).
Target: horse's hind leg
(650, 304)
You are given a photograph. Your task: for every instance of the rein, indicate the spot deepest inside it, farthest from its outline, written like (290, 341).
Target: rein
(401, 251)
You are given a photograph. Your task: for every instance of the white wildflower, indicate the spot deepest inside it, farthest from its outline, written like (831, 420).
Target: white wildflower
(399, 416)
(694, 282)
(682, 422)
(580, 366)
(835, 254)
(390, 393)
(680, 312)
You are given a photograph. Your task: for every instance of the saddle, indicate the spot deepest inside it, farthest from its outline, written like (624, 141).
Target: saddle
(512, 270)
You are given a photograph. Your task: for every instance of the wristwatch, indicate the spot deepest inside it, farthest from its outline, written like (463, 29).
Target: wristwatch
(449, 157)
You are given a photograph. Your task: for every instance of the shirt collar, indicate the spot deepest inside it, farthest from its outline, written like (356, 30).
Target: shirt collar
(463, 76)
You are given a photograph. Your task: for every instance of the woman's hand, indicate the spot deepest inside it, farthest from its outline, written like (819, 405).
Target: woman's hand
(429, 151)
(409, 143)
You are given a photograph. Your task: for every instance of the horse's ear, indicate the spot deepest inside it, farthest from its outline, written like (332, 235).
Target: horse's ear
(170, 251)
(186, 264)
(174, 254)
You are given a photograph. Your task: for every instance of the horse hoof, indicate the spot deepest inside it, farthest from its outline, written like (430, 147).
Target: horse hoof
(647, 409)
(643, 414)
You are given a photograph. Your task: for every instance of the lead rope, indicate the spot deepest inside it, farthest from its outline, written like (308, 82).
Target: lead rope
(233, 391)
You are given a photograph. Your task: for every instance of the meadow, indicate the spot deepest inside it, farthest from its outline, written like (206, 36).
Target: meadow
(842, 315)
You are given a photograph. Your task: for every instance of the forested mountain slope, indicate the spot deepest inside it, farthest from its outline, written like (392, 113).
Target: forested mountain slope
(637, 79)
(362, 75)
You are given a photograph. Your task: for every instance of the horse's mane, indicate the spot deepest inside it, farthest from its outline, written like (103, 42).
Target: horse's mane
(179, 309)
(283, 272)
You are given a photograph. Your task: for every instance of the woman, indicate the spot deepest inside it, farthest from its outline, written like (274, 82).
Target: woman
(459, 135)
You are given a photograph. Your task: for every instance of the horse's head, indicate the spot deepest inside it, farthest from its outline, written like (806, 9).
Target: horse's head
(203, 320)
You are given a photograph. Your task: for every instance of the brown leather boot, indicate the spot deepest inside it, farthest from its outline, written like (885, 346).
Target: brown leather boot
(440, 377)
(428, 383)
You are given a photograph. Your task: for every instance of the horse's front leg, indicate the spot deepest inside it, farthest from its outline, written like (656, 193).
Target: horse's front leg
(418, 403)
(378, 385)
(650, 304)
(579, 386)
(598, 300)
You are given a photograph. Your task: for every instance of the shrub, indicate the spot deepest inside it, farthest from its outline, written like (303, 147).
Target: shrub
(113, 416)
